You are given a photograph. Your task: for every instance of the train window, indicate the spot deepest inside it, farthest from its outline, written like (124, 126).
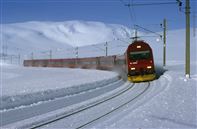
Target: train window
(120, 62)
(87, 62)
(139, 55)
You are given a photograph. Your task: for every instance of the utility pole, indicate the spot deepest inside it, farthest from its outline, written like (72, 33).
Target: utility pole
(76, 52)
(5, 48)
(194, 23)
(135, 38)
(19, 59)
(106, 48)
(11, 59)
(187, 54)
(4, 54)
(164, 42)
(32, 55)
(50, 54)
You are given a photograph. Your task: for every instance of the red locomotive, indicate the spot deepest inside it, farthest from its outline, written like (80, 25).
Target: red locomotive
(140, 62)
(137, 62)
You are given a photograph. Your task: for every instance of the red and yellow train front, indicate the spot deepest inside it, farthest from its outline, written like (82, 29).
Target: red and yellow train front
(140, 62)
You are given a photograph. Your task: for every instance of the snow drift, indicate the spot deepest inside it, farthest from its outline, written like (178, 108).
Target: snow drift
(25, 86)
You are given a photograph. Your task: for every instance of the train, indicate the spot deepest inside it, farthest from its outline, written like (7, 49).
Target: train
(140, 62)
(136, 64)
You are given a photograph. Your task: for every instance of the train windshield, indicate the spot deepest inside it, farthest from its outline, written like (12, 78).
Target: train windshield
(140, 55)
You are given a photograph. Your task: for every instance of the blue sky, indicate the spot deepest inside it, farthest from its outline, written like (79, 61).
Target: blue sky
(107, 11)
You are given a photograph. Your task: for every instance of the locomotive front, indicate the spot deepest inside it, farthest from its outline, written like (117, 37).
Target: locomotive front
(140, 63)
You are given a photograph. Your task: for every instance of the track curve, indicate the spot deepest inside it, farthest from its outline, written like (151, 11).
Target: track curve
(85, 108)
(114, 109)
(132, 89)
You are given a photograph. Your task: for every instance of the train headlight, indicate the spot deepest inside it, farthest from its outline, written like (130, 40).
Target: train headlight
(149, 67)
(139, 46)
(132, 68)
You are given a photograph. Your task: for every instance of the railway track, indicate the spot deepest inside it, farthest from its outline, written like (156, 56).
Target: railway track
(104, 115)
(118, 94)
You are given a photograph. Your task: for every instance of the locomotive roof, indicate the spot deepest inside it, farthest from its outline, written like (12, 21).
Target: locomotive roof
(142, 43)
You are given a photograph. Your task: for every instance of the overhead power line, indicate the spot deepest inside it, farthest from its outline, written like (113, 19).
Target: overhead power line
(145, 4)
(131, 16)
(132, 12)
(148, 30)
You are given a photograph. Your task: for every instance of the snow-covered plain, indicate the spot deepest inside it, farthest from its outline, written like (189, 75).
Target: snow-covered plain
(170, 102)
(25, 86)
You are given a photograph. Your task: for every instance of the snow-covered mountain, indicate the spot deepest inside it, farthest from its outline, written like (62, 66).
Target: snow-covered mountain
(62, 38)
(50, 35)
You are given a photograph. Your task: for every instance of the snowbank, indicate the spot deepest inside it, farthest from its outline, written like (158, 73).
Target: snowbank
(50, 116)
(25, 86)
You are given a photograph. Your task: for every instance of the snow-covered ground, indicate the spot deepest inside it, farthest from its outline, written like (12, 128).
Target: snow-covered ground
(170, 102)
(173, 105)
(25, 86)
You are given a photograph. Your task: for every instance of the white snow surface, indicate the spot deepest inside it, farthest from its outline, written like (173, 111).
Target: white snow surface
(171, 104)
(24, 86)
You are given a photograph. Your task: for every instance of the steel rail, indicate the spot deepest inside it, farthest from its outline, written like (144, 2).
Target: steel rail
(90, 122)
(83, 109)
